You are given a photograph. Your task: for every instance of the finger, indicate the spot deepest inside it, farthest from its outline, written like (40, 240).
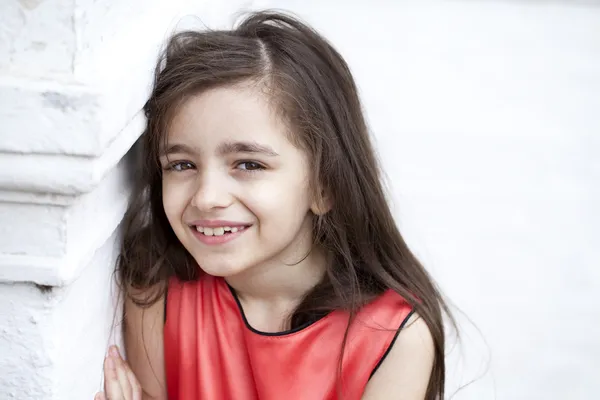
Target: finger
(136, 388)
(112, 387)
(121, 373)
(100, 396)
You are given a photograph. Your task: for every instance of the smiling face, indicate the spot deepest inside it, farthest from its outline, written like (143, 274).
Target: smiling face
(235, 189)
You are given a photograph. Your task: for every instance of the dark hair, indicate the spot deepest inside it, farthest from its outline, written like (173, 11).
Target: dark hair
(313, 90)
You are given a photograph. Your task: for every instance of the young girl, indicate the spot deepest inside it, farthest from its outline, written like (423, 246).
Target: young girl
(260, 259)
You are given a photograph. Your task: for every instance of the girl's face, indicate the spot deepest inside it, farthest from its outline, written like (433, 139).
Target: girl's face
(235, 189)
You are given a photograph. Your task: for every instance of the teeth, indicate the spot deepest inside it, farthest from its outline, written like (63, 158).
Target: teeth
(218, 231)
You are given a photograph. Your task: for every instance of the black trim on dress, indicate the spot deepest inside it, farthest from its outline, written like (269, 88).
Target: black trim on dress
(166, 296)
(282, 333)
(404, 321)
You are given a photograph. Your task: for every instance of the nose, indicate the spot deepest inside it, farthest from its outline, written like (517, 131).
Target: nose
(211, 192)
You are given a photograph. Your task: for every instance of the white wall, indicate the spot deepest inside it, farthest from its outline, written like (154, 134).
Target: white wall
(487, 117)
(485, 114)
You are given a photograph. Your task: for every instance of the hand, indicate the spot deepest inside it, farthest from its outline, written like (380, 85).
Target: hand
(119, 381)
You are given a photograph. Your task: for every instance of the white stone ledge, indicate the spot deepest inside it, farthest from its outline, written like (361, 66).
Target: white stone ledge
(10, 196)
(46, 173)
(48, 117)
(32, 229)
(85, 225)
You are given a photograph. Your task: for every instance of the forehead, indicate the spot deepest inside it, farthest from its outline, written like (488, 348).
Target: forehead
(228, 114)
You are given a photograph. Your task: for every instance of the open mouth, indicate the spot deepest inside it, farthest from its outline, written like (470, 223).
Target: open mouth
(219, 230)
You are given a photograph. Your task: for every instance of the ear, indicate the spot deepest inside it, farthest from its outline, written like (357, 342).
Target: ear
(322, 204)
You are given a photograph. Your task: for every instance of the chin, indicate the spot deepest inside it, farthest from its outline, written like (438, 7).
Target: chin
(220, 269)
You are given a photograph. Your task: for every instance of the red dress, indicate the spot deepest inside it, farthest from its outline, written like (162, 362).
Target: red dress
(211, 353)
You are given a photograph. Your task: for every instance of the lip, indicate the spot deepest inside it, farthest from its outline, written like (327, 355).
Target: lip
(216, 240)
(217, 223)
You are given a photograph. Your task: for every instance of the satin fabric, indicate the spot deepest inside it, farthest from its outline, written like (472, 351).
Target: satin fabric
(211, 353)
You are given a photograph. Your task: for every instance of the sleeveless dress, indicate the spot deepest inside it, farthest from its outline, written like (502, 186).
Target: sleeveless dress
(212, 353)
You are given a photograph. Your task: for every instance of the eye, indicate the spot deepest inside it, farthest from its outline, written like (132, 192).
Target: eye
(180, 166)
(250, 166)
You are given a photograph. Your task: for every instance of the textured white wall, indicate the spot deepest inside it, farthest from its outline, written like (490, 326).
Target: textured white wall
(53, 342)
(485, 114)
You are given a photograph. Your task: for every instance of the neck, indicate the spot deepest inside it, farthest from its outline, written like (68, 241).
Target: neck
(283, 280)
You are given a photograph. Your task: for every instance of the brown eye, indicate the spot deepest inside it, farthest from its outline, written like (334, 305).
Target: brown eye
(250, 166)
(181, 166)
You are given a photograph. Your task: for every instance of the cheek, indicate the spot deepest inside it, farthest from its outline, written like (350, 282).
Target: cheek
(281, 202)
(174, 200)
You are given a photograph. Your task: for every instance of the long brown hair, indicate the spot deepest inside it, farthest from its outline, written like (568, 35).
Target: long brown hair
(313, 90)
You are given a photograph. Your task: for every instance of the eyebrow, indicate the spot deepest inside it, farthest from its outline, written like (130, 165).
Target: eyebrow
(176, 148)
(246, 147)
(223, 149)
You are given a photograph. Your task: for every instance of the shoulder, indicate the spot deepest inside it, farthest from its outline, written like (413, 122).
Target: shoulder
(406, 369)
(387, 309)
(143, 336)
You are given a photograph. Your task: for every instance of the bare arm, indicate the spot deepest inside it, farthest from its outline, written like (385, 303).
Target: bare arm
(405, 372)
(142, 375)
(144, 347)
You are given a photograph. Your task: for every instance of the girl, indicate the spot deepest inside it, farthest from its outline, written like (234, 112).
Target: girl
(260, 259)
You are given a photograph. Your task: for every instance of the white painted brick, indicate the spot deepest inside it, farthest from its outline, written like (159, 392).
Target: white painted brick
(56, 241)
(32, 229)
(50, 118)
(37, 37)
(93, 217)
(25, 341)
(52, 173)
(53, 343)
(100, 21)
